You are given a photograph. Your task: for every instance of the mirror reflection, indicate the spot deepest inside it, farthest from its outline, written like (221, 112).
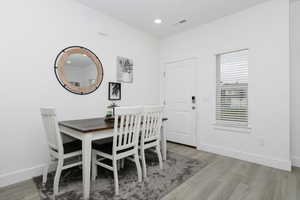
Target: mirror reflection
(80, 70)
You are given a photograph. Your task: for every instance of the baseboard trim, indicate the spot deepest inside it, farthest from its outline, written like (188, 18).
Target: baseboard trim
(296, 161)
(22, 175)
(263, 160)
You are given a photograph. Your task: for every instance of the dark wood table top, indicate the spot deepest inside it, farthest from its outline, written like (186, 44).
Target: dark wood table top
(90, 125)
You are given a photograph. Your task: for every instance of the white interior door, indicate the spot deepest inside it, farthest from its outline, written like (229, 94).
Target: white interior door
(180, 83)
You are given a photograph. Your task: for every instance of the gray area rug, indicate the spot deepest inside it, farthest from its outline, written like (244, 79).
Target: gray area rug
(177, 169)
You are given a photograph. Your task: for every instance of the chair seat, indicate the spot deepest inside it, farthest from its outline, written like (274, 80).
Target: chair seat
(147, 142)
(103, 141)
(72, 146)
(107, 148)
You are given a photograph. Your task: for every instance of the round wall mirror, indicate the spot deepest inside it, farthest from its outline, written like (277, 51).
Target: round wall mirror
(78, 70)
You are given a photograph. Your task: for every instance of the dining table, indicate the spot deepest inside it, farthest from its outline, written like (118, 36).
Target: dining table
(89, 130)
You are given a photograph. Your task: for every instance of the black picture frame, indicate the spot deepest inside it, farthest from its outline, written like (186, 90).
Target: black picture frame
(114, 91)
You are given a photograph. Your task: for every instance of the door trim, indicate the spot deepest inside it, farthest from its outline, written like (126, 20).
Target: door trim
(178, 60)
(163, 89)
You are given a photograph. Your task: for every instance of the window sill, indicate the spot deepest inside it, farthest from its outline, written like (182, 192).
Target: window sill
(230, 128)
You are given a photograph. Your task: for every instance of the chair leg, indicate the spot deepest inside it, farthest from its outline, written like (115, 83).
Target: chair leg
(115, 168)
(144, 163)
(94, 166)
(119, 164)
(57, 175)
(45, 173)
(122, 163)
(159, 156)
(138, 166)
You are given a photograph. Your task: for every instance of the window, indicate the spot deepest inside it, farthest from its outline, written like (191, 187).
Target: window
(232, 89)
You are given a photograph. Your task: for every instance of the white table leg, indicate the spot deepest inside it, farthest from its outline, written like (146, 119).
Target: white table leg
(86, 161)
(163, 143)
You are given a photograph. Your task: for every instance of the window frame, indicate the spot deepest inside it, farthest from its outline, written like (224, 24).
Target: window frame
(234, 126)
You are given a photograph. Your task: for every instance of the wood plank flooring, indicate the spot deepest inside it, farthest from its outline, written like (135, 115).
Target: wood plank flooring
(231, 179)
(21, 191)
(222, 179)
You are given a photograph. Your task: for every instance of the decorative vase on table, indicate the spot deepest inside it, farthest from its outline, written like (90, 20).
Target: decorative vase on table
(110, 112)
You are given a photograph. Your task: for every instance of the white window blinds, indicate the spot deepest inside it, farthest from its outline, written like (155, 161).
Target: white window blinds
(232, 88)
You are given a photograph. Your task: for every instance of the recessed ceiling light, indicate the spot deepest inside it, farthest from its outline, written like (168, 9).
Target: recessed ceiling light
(157, 21)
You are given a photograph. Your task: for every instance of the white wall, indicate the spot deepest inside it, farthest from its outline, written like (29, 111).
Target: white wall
(33, 32)
(264, 29)
(295, 82)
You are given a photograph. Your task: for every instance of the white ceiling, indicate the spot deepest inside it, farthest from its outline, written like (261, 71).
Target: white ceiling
(141, 13)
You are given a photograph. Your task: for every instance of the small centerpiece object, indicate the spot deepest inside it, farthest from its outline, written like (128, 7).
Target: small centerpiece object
(110, 112)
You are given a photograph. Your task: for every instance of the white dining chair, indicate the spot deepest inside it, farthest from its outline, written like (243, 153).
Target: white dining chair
(124, 145)
(150, 133)
(58, 151)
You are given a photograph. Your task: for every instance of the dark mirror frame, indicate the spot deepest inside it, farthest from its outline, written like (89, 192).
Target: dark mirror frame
(60, 74)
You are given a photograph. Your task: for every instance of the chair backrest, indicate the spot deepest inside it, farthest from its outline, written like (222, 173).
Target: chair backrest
(151, 123)
(126, 127)
(52, 129)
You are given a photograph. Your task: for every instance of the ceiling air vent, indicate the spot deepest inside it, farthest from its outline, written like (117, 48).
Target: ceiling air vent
(180, 22)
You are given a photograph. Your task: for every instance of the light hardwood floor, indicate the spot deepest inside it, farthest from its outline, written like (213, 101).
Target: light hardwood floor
(222, 179)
